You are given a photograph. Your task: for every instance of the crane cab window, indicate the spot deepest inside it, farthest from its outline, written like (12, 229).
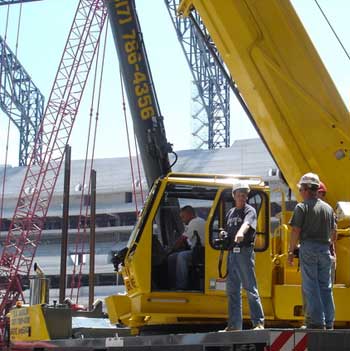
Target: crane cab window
(257, 199)
(168, 227)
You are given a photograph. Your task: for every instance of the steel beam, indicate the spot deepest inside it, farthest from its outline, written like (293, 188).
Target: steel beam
(21, 101)
(11, 2)
(211, 100)
(39, 181)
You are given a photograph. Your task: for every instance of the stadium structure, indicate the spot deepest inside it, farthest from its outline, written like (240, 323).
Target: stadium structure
(115, 207)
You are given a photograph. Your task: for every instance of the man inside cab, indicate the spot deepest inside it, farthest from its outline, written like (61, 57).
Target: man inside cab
(180, 261)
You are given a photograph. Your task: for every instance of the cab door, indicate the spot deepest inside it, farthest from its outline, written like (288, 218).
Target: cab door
(216, 253)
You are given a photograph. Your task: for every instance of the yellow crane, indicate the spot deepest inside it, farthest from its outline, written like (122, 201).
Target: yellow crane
(306, 126)
(293, 100)
(302, 119)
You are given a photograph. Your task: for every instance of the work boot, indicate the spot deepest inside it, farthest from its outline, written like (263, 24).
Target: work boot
(315, 326)
(259, 326)
(229, 329)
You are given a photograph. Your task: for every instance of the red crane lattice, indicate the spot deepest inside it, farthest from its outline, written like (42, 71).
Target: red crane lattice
(39, 182)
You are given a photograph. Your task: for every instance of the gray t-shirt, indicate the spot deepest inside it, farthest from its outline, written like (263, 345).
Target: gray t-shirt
(316, 220)
(235, 217)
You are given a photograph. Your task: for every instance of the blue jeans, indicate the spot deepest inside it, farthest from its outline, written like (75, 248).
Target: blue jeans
(178, 263)
(315, 265)
(241, 273)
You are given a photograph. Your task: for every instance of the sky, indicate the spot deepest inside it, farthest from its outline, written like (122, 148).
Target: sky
(44, 27)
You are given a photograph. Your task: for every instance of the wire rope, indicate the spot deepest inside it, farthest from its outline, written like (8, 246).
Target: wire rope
(139, 170)
(79, 241)
(333, 30)
(128, 141)
(99, 90)
(18, 28)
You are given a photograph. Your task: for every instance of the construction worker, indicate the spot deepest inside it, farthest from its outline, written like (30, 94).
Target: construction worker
(313, 225)
(179, 262)
(322, 191)
(240, 227)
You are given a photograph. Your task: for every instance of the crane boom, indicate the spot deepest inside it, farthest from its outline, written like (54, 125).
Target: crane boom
(39, 182)
(293, 100)
(145, 111)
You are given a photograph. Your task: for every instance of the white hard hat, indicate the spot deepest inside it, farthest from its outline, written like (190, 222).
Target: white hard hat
(240, 186)
(309, 179)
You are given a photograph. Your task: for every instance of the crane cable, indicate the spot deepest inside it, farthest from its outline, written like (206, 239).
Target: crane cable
(99, 90)
(2, 64)
(139, 170)
(99, 97)
(80, 238)
(18, 28)
(128, 140)
(333, 30)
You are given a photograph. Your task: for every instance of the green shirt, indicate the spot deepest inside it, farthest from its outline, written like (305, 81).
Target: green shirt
(316, 220)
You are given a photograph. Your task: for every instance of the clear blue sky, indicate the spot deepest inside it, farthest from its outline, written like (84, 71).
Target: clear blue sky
(44, 29)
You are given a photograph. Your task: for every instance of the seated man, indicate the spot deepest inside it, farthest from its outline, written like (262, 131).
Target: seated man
(178, 262)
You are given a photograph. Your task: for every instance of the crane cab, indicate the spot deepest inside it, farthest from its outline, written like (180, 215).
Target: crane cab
(152, 297)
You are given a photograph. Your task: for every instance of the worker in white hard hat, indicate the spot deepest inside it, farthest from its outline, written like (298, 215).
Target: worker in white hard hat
(313, 224)
(321, 193)
(240, 226)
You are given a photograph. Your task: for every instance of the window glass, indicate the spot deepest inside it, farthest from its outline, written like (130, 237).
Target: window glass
(258, 200)
(167, 228)
(167, 225)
